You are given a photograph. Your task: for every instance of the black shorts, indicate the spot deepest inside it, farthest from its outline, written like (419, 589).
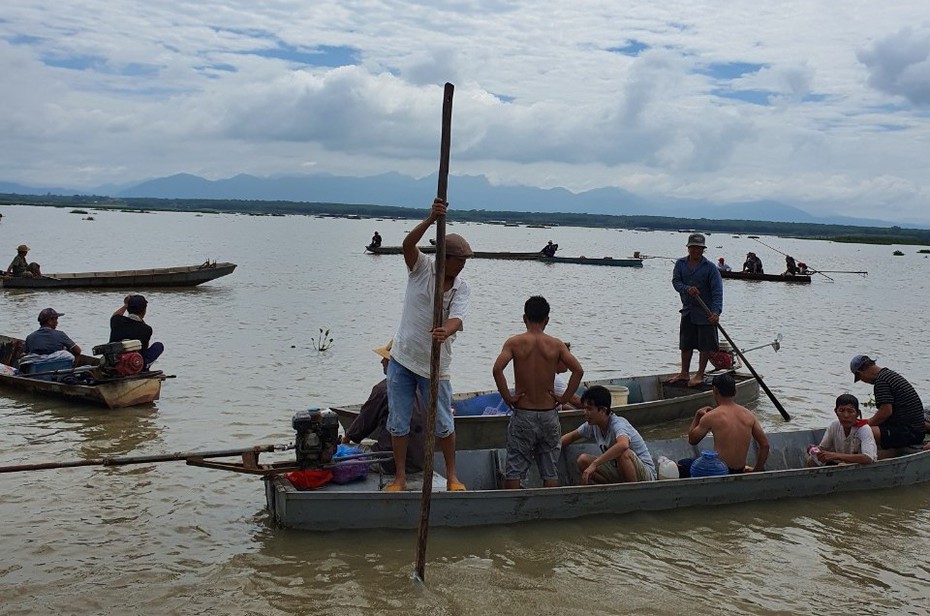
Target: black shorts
(893, 436)
(700, 337)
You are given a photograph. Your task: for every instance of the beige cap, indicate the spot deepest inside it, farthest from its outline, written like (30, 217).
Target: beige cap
(385, 351)
(456, 246)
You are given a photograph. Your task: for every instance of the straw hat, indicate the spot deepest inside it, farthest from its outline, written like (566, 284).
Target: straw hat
(385, 351)
(22, 248)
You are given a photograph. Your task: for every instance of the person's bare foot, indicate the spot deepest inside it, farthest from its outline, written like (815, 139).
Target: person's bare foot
(681, 376)
(696, 381)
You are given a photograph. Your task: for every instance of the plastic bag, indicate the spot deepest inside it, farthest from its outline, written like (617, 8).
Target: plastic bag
(350, 470)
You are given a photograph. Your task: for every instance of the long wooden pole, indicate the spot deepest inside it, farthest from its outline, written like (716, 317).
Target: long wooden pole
(768, 391)
(429, 445)
(124, 460)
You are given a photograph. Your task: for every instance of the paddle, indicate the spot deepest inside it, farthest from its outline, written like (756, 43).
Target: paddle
(768, 391)
(430, 437)
(122, 461)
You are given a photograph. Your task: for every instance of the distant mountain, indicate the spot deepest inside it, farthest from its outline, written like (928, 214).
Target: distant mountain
(466, 192)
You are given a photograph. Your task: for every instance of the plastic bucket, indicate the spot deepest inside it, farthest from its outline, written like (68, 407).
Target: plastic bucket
(618, 395)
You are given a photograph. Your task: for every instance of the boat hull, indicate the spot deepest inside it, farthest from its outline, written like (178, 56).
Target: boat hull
(796, 279)
(183, 276)
(520, 256)
(363, 506)
(652, 402)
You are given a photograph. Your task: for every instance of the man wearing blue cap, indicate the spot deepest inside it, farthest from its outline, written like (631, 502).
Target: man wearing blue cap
(899, 418)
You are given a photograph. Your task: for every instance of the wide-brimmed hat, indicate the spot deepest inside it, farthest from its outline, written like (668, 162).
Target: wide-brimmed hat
(696, 239)
(385, 351)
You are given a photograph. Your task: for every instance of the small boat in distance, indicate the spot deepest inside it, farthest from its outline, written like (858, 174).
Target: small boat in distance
(182, 276)
(521, 256)
(796, 279)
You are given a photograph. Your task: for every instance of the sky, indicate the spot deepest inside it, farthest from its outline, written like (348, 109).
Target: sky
(820, 104)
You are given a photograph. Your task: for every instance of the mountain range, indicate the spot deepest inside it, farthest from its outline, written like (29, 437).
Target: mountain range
(466, 192)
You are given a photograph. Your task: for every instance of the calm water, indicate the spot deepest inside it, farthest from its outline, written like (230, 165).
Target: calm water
(168, 538)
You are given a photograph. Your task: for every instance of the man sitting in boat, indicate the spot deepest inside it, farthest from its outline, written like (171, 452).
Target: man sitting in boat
(624, 455)
(899, 418)
(375, 240)
(848, 439)
(48, 342)
(534, 432)
(372, 422)
(131, 326)
(791, 268)
(723, 266)
(549, 249)
(752, 264)
(21, 268)
(734, 427)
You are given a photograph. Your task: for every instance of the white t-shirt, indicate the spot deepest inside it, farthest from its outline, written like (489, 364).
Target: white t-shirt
(860, 440)
(412, 342)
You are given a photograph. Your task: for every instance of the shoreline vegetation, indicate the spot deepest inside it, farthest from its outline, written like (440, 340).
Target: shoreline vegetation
(832, 232)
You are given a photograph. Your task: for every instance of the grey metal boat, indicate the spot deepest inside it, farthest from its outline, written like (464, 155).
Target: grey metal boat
(181, 276)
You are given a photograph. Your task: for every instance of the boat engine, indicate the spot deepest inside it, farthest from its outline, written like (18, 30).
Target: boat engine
(123, 358)
(317, 437)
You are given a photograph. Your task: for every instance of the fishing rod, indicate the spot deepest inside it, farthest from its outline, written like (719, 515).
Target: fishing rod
(787, 255)
(863, 274)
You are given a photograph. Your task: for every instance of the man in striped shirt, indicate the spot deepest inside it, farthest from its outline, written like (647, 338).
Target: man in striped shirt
(899, 418)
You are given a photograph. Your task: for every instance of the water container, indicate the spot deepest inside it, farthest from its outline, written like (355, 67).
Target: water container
(619, 395)
(667, 468)
(708, 465)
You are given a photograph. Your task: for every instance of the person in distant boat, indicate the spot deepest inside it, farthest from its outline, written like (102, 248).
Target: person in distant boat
(127, 324)
(791, 268)
(848, 439)
(734, 428)
(549, 249)
(409, 368)
(49, 342)
(624, 455)
(723, 266)
(372, 422)
(376, 240)
(752, 264)
(20, 268)
(803, 269)
(695, 276)
(899, 418)
(534, 432)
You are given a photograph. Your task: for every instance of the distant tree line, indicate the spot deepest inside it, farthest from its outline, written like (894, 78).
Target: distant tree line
(838, 233)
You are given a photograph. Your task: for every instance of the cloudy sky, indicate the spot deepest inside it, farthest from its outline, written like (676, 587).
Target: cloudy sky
(825, 104)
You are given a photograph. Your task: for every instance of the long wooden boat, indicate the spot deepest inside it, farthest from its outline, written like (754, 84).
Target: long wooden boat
(141, 388)
(181, 276)
(796, 279)
(362, 504)
(521, 256)
(649, 401)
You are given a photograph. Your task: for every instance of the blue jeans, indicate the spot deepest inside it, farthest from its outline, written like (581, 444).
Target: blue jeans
(152, 353)
(402, 385)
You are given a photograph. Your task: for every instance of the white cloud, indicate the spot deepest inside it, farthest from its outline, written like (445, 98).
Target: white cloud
(114, 92)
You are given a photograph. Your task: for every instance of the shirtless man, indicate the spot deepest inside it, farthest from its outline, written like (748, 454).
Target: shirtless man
(733, 427)
(534, 431)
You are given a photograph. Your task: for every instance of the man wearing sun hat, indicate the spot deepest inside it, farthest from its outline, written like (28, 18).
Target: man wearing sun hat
(695, 276)
(899, 417)
(21, 268)
(372, 422)
(409, 368)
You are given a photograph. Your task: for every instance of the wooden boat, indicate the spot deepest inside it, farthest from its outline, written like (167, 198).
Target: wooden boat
(796, 279)
(649, 401)
(362, 504)
(521, 256)
(182, 276)
(119, 392)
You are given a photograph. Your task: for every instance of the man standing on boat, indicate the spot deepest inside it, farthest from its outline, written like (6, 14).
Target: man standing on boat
(48, 339)
(694, 276)
(409, 368)
(534, 431)
(899, 418)
(131, 326)
(734, 428)
(372, 421)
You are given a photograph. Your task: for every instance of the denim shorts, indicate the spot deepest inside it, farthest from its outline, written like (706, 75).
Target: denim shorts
(402, 385)
(533, 436)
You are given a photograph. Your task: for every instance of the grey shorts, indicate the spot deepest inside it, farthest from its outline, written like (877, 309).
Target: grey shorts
(533, 435)
(700, 337)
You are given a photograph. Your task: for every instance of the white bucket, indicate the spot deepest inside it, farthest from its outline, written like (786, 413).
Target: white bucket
(618, 395)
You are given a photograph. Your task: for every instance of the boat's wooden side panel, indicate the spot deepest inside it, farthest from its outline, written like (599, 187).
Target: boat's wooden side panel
(187, 276)
(797, 279)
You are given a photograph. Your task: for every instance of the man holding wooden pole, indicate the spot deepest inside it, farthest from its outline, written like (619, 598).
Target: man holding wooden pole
(409, 368)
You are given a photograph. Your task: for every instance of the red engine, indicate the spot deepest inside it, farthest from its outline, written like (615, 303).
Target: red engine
(123, 358)
(129, 363)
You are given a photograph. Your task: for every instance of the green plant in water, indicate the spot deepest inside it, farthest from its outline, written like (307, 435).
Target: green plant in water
(323, 341)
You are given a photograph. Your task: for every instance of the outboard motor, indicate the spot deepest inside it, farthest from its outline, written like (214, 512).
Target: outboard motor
(122, 358)
(317, 437)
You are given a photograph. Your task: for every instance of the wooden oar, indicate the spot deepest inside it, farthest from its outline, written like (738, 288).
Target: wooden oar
(122, 461)
(768, 391)
(429, 444)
